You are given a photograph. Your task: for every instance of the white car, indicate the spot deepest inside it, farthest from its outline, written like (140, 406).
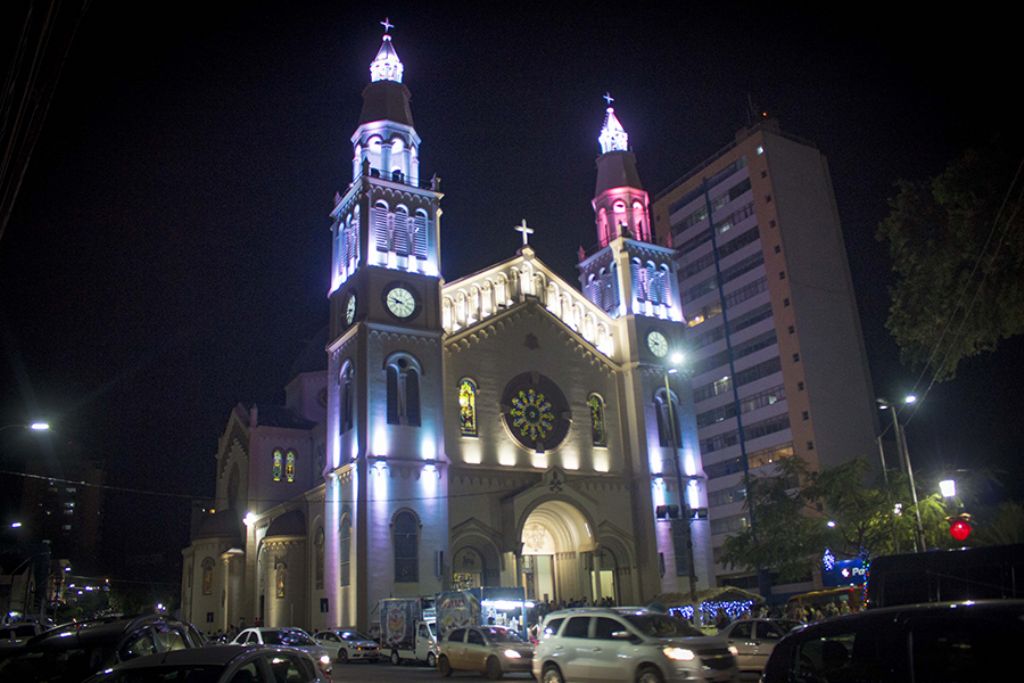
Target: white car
(348, 645)
(290, 637)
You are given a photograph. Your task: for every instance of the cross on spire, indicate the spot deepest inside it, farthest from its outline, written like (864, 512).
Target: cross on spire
(387, 25)
(526, 232)
(608, 98)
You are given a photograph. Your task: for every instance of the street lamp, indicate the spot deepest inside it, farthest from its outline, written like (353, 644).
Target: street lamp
(947, 487)
(676, 359)
(901, 449)
(38, 426)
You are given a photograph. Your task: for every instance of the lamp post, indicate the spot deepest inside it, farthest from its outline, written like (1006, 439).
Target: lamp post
(904, 453)
(676, 359)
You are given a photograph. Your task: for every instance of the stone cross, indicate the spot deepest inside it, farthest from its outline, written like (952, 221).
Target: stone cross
(387, 25)
(526, 232)
(608, 98)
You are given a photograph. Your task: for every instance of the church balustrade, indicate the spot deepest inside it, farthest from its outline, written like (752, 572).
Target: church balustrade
(468, 303)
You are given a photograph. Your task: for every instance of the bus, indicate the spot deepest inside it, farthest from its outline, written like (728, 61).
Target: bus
(990, 572)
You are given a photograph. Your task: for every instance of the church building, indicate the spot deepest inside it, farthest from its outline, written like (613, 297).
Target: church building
(507, 428)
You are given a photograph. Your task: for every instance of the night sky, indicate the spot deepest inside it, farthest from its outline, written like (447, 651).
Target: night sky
(168, 255)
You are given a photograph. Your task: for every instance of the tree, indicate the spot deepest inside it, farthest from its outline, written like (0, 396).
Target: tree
(958, 256)
(781, 536)
(790, 506)
(1001, 526)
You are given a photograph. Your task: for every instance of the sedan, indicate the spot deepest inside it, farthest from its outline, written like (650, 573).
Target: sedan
(754, 640)
(491, 650)
(229, 663)
(348, 645)
(288, 637)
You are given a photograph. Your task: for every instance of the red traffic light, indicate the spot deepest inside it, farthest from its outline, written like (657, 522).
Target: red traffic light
(960, 527)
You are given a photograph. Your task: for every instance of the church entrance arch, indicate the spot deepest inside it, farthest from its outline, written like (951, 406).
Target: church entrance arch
(557, 555)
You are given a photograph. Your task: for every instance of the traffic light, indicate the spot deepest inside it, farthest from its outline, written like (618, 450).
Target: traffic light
(960, 527)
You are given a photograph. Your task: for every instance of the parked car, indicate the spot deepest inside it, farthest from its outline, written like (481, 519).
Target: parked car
(754, 640)
(937, 642)
(226, 664)
(491, 650)
(17, 634)
(628, 644)
(289, 637)
(72, 652)
(348, 645)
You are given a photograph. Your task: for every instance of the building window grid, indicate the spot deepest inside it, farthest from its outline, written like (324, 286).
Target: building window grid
(746, 376)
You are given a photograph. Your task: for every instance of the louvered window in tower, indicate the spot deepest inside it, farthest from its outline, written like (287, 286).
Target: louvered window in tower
(420, 235)
(652, 284)
(379, 220)
(401, 241)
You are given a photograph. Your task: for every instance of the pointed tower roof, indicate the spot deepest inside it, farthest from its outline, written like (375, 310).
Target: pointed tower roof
(616, 167)
(386, 98)
(613, 136)
(386, 66)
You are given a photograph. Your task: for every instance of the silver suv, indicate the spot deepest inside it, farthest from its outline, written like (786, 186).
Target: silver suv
(628, 644)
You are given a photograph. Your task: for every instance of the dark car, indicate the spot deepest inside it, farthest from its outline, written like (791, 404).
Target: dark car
(937, 643)
(225, 664)
(73, 652)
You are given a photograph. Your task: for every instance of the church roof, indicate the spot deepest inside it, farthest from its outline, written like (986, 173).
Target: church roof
(279, 416)
(613, 136)
(291, 523)
(223, 524)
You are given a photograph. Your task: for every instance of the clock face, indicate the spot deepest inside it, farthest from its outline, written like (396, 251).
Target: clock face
(350, 309)
(657, 343)
(400, 302)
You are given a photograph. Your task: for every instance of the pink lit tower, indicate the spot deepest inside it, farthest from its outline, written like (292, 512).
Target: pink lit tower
(634, 280)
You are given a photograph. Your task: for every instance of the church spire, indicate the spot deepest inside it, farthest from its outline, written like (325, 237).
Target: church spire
(613, 136)
(386, 66)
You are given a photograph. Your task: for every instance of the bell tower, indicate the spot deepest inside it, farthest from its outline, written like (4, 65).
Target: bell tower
(386, 525)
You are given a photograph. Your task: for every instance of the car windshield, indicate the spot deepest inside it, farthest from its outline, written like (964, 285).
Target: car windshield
(500, 634)
(353, 635)
(662, 626)
(286, 638)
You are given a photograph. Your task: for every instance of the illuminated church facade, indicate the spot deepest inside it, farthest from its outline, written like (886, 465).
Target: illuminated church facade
(507, 428)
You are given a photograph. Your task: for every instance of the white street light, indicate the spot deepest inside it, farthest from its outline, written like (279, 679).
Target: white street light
(909, 399)
(249, 518)
(947, 487)
(39, 426)
(830, 524)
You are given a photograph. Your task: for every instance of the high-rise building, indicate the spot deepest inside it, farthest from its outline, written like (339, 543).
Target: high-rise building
(776, 353)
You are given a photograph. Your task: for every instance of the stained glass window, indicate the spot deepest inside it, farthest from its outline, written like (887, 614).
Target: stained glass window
(347, 396)
(289, 467)
(281, 578)
(345, 548)
(667, 407)
(598, 433)
(208, 565)
(467, 407)
(278, 464)
(536, 412)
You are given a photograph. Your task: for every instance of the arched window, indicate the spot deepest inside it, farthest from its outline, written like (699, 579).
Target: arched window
(403, 390)
(467, 407)
(405, 535)
(347, 390)
(318, 570)
(418, 242)
(280, 578)
(278, 466)
(400, 239)
(379, 226)
(208, 565)
(667, 408)
(345, 548)
(598, 431)
(289, 467)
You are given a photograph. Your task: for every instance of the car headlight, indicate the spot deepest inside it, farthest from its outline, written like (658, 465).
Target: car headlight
(324, 659)
(680, 654)
(734, 651)
(512, 654)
